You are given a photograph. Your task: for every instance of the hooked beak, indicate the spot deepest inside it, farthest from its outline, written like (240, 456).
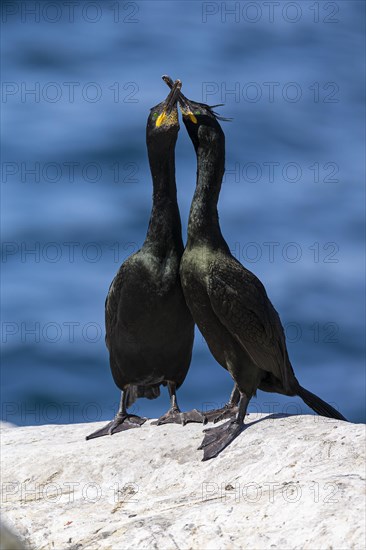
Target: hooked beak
(185, 106)
(170, 102)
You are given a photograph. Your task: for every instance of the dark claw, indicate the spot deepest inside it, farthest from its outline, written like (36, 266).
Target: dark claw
(217, 439)
(119, 424)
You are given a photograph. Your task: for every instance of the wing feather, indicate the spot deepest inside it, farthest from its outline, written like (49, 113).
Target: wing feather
(240, 301)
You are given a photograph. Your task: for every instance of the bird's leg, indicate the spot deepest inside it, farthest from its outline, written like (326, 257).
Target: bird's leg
(121, 422)
(216, 439)
(174, 415)
(227, 411)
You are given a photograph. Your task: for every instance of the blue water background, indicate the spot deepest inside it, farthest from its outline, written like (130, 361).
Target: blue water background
(54, 361)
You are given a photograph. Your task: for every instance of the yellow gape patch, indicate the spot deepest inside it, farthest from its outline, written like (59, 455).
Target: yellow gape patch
(160, 119)
(193, 118)
(169, 120)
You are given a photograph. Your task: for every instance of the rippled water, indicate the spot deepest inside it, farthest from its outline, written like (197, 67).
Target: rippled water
(76, 187)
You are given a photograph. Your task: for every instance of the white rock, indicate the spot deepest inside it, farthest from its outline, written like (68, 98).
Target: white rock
(287, 483)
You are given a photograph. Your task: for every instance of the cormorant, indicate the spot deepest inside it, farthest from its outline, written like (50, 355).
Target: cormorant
(228, 302)
(149, 329)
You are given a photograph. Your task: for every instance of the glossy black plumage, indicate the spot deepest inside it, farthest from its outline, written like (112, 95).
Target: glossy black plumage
(228, 302)
(149, 329)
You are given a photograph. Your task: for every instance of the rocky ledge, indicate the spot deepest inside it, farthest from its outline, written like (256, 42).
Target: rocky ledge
(287, 482)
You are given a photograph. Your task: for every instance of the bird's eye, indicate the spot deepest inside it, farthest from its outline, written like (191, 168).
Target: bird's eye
(197, 112)
(155, 116)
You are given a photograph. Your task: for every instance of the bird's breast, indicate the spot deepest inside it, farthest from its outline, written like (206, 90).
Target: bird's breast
(194, 264)
(194, 274)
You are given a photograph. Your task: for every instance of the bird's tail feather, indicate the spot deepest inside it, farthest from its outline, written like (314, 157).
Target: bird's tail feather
(134, 392)
(318, 405)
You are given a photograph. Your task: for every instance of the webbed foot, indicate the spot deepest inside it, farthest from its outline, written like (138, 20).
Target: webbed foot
(192, 416)
(228, 411)
(120, 423)
(216, 439)
(174, 416)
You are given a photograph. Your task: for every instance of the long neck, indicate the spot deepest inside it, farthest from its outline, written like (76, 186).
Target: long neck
(164, 232)
(203, 225)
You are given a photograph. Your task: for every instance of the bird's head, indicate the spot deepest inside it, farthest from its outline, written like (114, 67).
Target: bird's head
(163, 123)
(201, 123)
(200, 120)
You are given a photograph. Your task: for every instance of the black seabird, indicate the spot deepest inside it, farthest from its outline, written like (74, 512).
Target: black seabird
(149, 329)
(228, 302)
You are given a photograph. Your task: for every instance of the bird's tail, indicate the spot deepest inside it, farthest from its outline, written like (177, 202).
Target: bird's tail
(318, 405)
(134, 392)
